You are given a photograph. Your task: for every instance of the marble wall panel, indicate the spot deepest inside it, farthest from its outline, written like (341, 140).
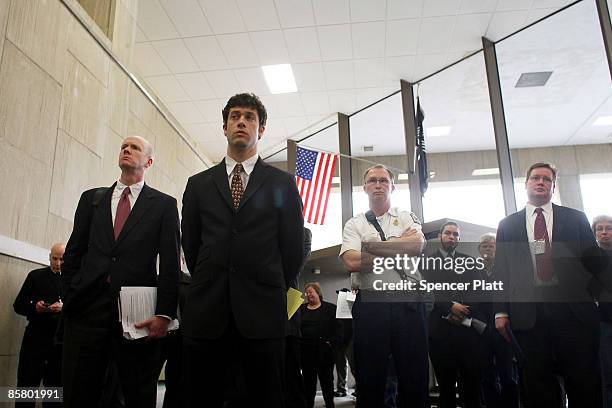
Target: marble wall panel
(110, 168)
(83, 110)
(87, 51)
(137, 127)
(24, 201)
(8, 372)
(4, 10)
(58, 229)
(166, 145)
(40, 29)
(76, 169)
(29, 106)
(124, 33)
(118, 105)
(141, 106)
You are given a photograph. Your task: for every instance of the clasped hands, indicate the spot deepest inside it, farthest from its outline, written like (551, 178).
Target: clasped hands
(157, 326)
(42, 307)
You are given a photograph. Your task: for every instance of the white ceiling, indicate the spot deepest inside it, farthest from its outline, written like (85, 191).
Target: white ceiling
(347, 54)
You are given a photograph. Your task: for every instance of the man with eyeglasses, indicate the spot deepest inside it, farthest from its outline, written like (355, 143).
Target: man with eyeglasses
(385, 324)
(546, 255)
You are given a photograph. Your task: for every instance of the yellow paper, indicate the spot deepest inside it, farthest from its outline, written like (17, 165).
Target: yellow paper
(294, 300)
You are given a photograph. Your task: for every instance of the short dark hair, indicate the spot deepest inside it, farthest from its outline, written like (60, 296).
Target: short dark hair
(539, 165)
(446, 224)
(379, 166)
(246, 100)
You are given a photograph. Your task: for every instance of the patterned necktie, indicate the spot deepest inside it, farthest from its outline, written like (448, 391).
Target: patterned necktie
(123, 211)
(237, 188)
(544, 264)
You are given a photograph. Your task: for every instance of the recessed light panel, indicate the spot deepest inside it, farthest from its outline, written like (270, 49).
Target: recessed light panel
(279, 78)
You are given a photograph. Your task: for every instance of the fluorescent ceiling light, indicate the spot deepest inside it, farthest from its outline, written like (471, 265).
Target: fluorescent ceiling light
(438, 131)
(485, 172)
(279, 78)
(603, 121)
(403, 176)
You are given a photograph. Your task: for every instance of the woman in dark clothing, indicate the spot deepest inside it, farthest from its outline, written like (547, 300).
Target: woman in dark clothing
(321, 332)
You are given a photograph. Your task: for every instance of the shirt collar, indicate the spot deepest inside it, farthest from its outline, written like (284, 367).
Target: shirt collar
(135, 188)
(248, 165)
(530, 208)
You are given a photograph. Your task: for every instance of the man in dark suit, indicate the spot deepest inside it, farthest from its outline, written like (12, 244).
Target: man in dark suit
(39, 300)
(546, 255)
(120, 234)
(243, 237)
(453, 343)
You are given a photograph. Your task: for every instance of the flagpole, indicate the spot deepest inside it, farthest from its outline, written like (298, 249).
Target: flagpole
(396, 169)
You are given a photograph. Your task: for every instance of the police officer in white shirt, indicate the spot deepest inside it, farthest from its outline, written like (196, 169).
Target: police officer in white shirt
(386, 324)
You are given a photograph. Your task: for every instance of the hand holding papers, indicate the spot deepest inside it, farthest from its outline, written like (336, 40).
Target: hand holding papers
(137, 304)
(294, 300)
(344, 305)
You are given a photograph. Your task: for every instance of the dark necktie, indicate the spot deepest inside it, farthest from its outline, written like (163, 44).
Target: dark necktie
(123, 211)
(237, 188)
(544, 264)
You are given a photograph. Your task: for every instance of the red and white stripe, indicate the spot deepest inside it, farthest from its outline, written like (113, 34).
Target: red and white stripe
(315, 192)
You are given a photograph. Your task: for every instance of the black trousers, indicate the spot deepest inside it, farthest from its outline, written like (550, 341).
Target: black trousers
(172, 354)
(94, 347)
(294, 381)
(381, 329)
(560, 344)
(39, 360)
(456, 359)
(254, 369)
(499, 372)
(318, 361)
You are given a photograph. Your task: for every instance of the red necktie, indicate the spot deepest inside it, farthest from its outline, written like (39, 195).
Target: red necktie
(123, 211)
(544, 264)
(237, 188)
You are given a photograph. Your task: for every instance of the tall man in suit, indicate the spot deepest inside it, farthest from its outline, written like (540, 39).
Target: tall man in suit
(120, 234)
(453, 343)
(546, 254)
(243, 238)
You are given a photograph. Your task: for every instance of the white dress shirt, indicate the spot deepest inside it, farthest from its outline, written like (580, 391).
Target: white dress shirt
(135, 190)
(248, 165)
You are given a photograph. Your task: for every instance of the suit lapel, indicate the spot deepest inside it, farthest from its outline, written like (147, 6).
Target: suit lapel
(255, 180)
(145, 199)
(557, 229)
(521, 226)
(220, 179)
(107, 217)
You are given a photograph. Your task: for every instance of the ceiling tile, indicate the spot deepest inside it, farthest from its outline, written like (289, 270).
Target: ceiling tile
(148, 61)
(505, 23)
(303, 44)
(140, 36)
(258, 15)
(367, 96)
(368, 39)
(207, 53)
(167, 88)
(271, 105)
(428, 64)
(252, 80)
(437, 8)
(435, 34)
(477, 6)
(510, 5)
(335, 42)
(397, 68)
(402, 37)
(187, 17)
(223, 15)
(339, 74)
(196, 85)
(289, 104)
(206, 132)
(342, 101)
(185, 112)
(295, 124)
(270, 46)
(468, 32)
(175, 55)
(315, 103)
(556, 4)
(211, 110)
(295, 13)
(404, 9)
(536, 14)
(223, 83)
(331, 11)
(154, 21)
(238, 49)
(369, 73)
(367, 10)
(309, 77)
(214, 150)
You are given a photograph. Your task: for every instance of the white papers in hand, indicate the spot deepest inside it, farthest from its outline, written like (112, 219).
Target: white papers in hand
(137, 303)
(343, 306)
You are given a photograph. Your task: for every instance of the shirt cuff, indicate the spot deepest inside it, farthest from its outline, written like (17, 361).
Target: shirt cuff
(502, 314)
(164, 316)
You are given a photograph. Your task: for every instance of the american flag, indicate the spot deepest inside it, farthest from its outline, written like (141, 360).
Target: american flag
(313, 175)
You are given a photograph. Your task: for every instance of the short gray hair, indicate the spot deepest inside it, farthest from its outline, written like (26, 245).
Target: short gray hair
(379, 166)
(600, 218)
(487, 237)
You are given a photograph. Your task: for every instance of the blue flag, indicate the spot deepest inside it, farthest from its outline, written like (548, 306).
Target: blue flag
(421, 156)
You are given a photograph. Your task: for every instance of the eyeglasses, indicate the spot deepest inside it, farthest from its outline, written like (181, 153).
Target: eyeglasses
(382, 181)
(537, 179)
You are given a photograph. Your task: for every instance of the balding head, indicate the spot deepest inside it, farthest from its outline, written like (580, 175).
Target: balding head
(56, 256)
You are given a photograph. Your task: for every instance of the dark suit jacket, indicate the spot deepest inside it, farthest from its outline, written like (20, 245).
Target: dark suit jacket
(294, 325)
(92, 254)
(330, 328)
(243, 261)
(438, 326)
(575, 261)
